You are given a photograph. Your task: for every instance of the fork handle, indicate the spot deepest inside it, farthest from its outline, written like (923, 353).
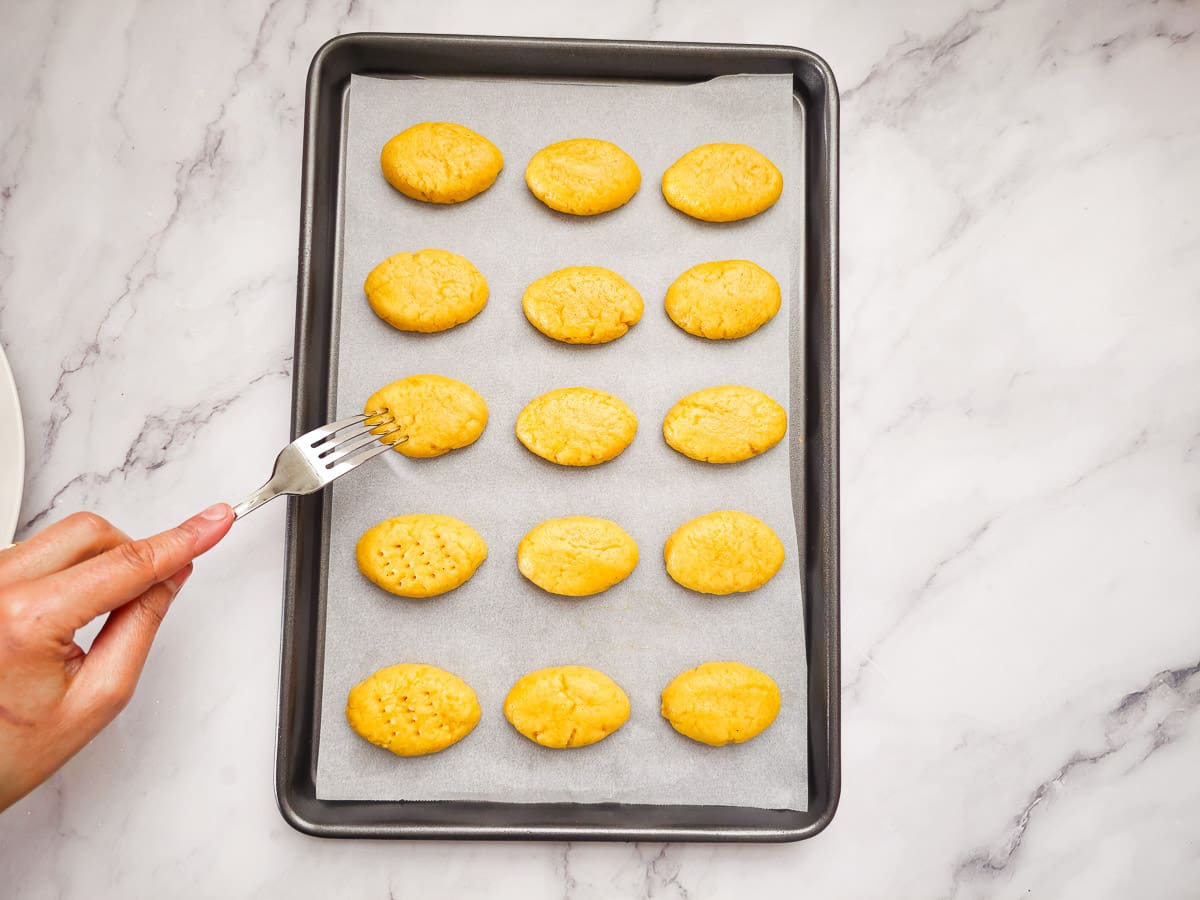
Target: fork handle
(267, 492)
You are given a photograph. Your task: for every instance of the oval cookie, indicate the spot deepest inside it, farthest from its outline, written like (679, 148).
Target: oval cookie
(566, 706)
(725, 424)
(722, 183)
(722, 300)
(582, 305)
(420, 555)
(576, 426)
(723, 552)
(440, 162)
(438, 414)
(720, 703)
(426, 291)
(412, 709)
(576, 556)
(583, 176)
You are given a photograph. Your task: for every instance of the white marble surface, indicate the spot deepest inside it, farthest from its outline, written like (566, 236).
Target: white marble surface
(1021, 468)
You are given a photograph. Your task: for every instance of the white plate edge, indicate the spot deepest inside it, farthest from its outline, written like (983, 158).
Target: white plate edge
(8, 384)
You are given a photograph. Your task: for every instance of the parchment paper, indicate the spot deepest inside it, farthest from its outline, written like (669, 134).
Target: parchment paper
(498, 626)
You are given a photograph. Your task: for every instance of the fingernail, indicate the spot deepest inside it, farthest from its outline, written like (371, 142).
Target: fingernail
(176, 581)
(216, 512)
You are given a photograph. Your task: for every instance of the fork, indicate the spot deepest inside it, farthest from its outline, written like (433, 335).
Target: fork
(315, 459)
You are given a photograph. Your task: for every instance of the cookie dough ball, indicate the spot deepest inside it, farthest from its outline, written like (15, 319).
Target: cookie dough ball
(722, 183)
(420, 555)
(566, 706)
(412, 709)
(725, 424)
(721, 703)
(583, 176)
(723, 552)
(576, 556)
(440, 162)
(426, 291)
(576, 426)
(582, 305)
(438, 414)
(723, 300)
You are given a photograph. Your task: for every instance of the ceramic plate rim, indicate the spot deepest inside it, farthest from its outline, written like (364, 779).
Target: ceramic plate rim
(10, 404)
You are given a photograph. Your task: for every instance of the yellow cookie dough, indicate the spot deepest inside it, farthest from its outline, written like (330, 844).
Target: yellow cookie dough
(721, 703)
(721, 300)
(412, 709)
(582, 305)
(566, 706)
(426, 291)
(722, 183)
(576, 556)
(725, 424)
(420, 555)
(440, 162)
(438, 414)
(583, 176)
(576, 426)
(723, 552)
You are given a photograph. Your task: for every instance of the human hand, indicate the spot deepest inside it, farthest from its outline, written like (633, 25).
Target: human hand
(54, 698)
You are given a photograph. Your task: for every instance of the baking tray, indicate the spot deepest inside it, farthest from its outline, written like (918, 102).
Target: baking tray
(308, 517)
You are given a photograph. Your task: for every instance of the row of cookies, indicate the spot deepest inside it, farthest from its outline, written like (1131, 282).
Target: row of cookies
(414, 709)
(576, 426)
(434, 290)
(444, 162)
(422, 555)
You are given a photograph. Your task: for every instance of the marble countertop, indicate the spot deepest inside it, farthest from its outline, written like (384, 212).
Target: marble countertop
(1021, 440)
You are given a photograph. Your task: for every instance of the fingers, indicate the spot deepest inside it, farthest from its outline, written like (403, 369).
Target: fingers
(109, 673)
(101, 584)
(76, 538)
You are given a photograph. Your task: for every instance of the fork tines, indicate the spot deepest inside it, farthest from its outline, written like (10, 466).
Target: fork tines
(350, 441)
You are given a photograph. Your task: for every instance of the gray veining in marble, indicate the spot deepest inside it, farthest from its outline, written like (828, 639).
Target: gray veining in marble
(1021, 439)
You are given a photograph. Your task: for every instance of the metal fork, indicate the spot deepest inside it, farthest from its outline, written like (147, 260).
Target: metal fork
(315, 459)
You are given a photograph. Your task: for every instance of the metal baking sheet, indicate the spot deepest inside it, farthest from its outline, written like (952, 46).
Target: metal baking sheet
(468, 817)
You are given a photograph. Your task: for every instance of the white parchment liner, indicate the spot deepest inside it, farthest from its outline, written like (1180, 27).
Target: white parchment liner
(498, 626)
